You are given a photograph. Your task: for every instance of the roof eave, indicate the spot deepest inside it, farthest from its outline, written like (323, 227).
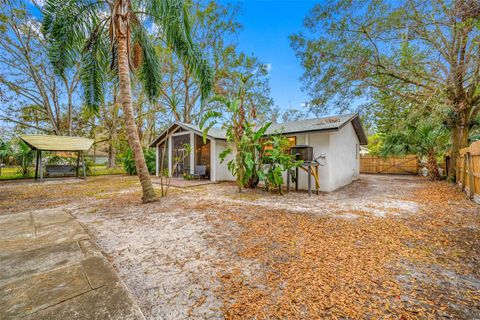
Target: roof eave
(357, 126)
(155, 142)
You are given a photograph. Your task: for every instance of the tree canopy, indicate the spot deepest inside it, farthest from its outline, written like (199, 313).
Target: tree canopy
(420, 52)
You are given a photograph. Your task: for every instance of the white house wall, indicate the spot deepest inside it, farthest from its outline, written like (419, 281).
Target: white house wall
(344, 154)
(337, 151)
(221, 170)
(320, 143)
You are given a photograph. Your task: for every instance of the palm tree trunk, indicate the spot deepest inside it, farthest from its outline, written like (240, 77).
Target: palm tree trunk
(131, 128)
(112, 152)
(432, 166)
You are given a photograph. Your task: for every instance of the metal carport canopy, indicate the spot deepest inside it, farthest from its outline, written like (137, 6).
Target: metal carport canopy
(57, 143)
(41, 143)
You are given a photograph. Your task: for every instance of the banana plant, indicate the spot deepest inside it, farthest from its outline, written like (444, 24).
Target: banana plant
(276, 161)
(242, 135)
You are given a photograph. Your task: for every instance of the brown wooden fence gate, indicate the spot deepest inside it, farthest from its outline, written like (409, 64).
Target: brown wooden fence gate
(468, 170)
(398, 165)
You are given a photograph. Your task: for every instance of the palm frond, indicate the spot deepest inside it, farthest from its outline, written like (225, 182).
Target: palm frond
(149, 70)
(66, 24)
(220, 99)
(95, 69)
(173, 18)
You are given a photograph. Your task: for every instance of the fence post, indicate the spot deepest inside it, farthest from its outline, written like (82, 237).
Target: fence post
(457, 169)
(470, 176)
(464, 172)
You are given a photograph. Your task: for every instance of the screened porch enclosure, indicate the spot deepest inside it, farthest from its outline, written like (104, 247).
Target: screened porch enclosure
(180, 155)
(184, 153)
(202, 157)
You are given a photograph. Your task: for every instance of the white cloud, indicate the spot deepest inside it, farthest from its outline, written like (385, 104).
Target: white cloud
(269, 67)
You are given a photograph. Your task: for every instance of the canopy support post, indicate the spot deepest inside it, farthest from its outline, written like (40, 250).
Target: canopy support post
(83, 167)
(40, 165)
(78, 163)
(36, 164)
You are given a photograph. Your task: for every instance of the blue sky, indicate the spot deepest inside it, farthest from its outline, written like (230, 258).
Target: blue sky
(266, 27)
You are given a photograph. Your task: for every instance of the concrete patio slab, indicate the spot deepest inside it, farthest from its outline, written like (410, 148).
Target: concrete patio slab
(20, 232)
(50, 216)
(99, 272)
(30, 262)
(26, 296)
(17, 226)
(108, 302)
(61, 232)
(50, 269)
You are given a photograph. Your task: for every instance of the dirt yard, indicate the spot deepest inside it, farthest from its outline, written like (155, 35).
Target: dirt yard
(383, 247)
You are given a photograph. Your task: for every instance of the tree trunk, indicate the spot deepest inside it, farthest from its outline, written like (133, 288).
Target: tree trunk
(240, 170)
(112, 152)
(432, 166)
(131, 128)
(70, 110)
(460, 131)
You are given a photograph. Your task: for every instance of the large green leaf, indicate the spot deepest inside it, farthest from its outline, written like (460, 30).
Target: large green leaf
(224, 154)
(261, 131)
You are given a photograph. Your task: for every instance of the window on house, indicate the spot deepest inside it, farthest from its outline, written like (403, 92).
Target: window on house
(292, 142)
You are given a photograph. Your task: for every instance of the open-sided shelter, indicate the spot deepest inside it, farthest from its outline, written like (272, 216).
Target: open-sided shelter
(41, 143)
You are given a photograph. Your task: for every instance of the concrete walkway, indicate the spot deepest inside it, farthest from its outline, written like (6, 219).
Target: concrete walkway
(50, 269)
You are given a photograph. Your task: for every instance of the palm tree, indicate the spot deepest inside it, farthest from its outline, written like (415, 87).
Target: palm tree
(423, 139)
(5, 152)
(24, 155)
(95, 31)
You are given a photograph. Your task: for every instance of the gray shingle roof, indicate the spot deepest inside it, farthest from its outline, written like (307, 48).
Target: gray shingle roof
(216, 133)
(317, 124)
(330, 123)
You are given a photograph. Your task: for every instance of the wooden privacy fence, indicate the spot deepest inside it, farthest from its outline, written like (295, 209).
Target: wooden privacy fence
(468, 170)
(393, 165)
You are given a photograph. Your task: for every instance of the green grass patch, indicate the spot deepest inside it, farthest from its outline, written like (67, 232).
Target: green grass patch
(13, 173)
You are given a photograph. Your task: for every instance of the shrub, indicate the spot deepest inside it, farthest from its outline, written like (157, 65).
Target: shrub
(129, 161)
(276, 161)
(24, 156)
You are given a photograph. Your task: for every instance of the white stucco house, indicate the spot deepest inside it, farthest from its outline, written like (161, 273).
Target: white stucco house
(336, 142)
